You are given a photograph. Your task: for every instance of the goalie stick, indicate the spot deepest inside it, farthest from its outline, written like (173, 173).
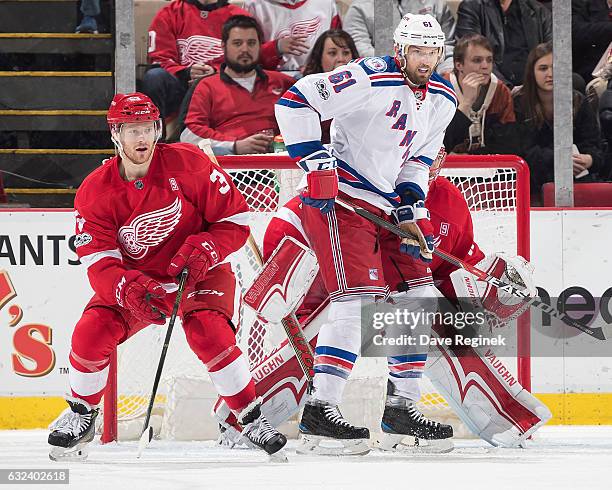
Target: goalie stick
(147, 431)
(481, 275)
(290, 323)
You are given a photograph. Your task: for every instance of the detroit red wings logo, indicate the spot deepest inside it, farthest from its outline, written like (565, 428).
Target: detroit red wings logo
(199, 49)
(302, 28)
(149, 229)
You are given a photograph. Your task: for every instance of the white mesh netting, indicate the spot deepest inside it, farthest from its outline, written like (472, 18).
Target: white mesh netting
(492, 199)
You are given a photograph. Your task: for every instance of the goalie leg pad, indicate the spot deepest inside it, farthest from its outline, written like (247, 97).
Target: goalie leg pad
(284, 280)
(495, 407)
(279, 381)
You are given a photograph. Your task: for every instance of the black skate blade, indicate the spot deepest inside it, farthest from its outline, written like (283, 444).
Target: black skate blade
(145, 439)
(402, 443)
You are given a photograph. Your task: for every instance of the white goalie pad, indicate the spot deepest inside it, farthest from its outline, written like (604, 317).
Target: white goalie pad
(283, 282)
(279, 379)
(485, 395)
(503, 306)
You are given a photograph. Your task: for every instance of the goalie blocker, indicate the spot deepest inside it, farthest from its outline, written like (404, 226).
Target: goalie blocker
(493, 405)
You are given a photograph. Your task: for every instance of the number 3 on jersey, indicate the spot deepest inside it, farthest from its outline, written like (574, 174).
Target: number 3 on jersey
(342, 80)
(215, 176)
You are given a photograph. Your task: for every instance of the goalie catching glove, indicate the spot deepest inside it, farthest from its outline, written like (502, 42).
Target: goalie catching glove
(503, 305)
(320, 168)
(142, 296)
(199, 254)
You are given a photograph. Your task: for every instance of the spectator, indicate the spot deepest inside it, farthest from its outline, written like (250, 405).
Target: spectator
(605, 119)
(185, 44)
(334, 48)
(90, 10)
(484, 121)
(235, 107)
(533, 105)
(591, 34)
(514, 28)
(296, 24)
(359, 23)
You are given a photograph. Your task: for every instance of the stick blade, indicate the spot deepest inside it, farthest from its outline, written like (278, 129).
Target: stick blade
(145, 439)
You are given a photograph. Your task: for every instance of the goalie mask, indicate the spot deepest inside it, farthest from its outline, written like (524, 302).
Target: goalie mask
(132, 108)
(422, 31)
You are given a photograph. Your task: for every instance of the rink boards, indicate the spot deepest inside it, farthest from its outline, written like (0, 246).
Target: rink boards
(43, 290)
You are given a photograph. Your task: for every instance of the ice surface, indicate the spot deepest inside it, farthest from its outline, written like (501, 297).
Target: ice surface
(559, 458)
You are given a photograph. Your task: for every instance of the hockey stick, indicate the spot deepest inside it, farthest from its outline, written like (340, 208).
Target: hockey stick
(291, 324)
(481, 275)
(147, 431)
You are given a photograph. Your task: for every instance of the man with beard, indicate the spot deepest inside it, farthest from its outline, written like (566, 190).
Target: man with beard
(235, 107)
(389, 116)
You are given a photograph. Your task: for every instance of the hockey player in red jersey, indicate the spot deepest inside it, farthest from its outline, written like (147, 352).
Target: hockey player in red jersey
(141, 218)
(499, 411)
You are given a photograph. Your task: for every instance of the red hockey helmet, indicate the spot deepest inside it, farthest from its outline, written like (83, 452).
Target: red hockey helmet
(130, 108)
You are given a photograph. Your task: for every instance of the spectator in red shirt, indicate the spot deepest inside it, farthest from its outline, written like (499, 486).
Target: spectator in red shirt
(185, 44)
(235, 107)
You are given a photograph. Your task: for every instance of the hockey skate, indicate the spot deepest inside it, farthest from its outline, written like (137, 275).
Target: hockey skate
(72, 431)
(258, 432)
(404, 428)
(323, 430)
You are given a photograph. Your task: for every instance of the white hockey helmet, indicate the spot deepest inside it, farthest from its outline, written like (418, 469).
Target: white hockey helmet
(418, 30)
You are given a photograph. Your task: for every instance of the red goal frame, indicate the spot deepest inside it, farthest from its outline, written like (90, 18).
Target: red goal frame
(281, 162)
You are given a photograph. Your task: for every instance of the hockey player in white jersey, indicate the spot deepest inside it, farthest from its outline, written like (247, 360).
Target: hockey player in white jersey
(389, 117)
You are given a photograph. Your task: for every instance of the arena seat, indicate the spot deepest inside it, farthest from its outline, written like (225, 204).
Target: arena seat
(593, 194)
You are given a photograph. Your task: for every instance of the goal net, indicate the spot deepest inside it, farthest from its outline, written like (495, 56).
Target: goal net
(496, 189)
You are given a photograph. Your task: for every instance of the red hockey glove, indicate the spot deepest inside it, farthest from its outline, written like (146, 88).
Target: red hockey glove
(142, 296)
(199, 254)
(320, 168)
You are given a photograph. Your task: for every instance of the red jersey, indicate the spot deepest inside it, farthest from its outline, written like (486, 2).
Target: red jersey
(141, 224)
(453, 229)
(222, 110)
(450, 218)
(182, 34)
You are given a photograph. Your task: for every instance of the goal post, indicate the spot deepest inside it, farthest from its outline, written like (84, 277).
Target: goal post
(496, 188)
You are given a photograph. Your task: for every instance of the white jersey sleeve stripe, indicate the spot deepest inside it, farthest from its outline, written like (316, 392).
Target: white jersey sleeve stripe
(91, 259)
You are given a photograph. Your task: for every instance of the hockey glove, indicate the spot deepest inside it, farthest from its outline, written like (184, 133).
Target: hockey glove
(414, 219)
(320, 168)
(199, 254)
(142, 296)
(510, 269)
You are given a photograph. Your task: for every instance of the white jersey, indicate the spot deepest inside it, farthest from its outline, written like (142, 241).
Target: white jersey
(384, 133)
(309, 18)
